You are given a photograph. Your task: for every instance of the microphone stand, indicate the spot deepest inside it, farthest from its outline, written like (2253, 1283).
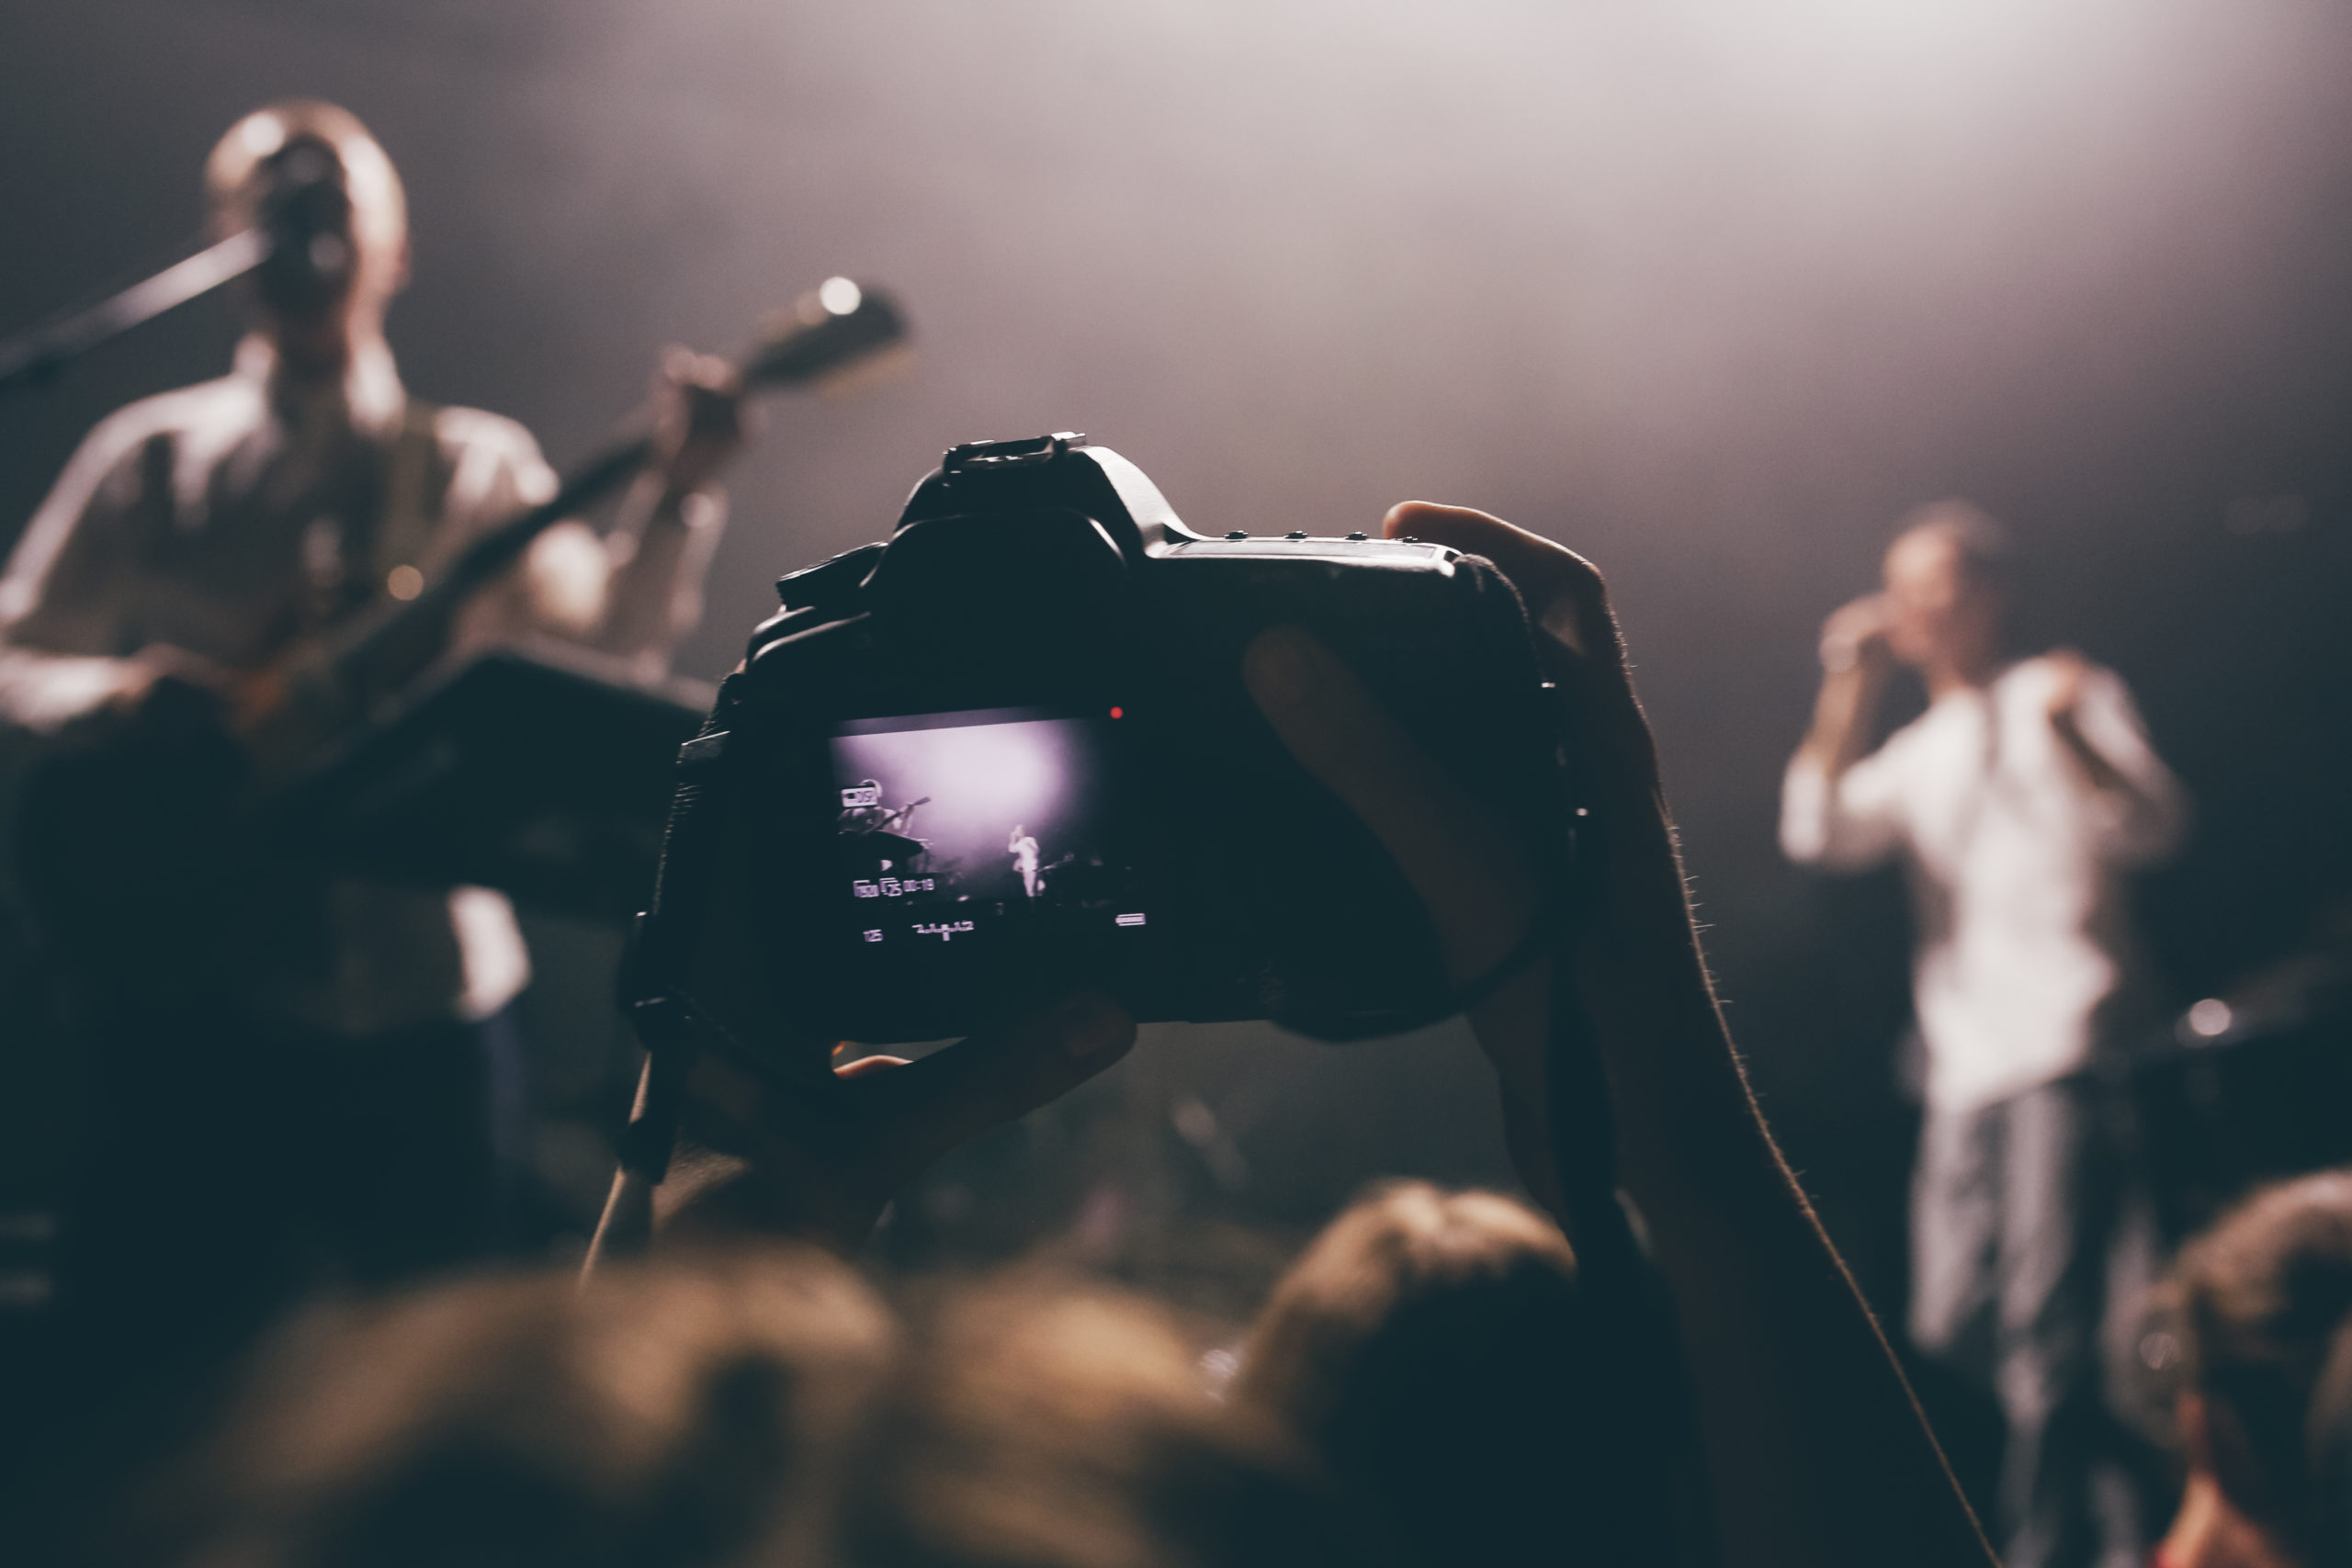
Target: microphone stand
(39, 354)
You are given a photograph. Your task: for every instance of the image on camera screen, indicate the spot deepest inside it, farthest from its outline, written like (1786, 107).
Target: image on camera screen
(956, 828)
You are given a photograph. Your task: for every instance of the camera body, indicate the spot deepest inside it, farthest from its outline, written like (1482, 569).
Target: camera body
(1011, 751)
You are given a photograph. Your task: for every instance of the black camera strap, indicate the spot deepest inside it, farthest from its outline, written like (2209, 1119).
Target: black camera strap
(1662, 1507)
(653, 993)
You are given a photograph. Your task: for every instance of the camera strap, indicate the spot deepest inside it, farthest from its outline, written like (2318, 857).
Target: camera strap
(1662, 1509)
(650, 989)
(652, 983)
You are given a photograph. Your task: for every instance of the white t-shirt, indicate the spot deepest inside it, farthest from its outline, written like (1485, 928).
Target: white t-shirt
(2014, 861)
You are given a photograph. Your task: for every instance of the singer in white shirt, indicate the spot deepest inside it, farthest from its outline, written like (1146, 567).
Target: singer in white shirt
(2016, 803)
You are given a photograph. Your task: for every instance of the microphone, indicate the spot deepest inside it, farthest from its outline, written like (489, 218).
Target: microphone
(299, 248)
(304, 215)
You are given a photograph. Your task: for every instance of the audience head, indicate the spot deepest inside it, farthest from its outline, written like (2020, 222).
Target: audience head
(679, 1415)
(1947, 585)
(741, 1409)
(1427, 1347)
(1047, 1426)
(2263, 1302)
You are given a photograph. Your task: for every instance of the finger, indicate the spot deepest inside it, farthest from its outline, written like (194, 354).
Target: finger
(1468, 867)
(684, 367)
(1856, 620)
(675, 367)
(992, 1077)
(866, 1066)
(714, 374)
(1564, 590)
(1567, 596)
(1632, 843)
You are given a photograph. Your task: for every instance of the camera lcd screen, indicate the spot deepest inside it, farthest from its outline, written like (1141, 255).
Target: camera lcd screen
(978, 830)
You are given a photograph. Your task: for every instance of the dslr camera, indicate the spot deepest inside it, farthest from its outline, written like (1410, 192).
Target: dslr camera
(1011, 751)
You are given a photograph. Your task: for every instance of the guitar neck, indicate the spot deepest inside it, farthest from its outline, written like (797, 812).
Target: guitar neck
(403, 634)
(831, 329)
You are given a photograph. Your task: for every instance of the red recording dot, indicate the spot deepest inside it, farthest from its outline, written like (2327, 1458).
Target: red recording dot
(1118, 712)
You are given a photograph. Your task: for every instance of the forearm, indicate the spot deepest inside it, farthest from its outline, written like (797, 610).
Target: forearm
(1842, 713)
(1817, 1450)
(44, 691)
(661, 551)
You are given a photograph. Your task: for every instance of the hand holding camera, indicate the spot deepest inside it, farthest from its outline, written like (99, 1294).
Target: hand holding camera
(1476, 897)
(1023, 750)
(1368, 783)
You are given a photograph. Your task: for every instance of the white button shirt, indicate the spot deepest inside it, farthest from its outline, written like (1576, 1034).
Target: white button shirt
(212, 518)
(2014, 861)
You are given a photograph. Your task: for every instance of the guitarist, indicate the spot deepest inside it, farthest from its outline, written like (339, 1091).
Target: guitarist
(280, 1072)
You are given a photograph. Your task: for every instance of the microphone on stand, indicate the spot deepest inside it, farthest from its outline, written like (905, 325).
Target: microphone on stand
(299, 243)
(304, 218)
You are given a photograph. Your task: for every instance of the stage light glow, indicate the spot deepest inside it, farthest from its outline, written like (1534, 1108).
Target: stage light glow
(262, 134)
(2211, 1017)
(838, 295)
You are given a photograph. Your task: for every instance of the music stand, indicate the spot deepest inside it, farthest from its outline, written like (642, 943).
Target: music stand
(541, 771)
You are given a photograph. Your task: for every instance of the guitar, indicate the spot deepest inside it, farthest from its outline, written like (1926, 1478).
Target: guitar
(142, 845)
(286, 710)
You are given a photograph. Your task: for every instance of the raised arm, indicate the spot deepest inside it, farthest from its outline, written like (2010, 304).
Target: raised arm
(1836, 810)
(1816, 1451)
(1855, 665)
(636, 591)
(661, 548)
(2140, 810)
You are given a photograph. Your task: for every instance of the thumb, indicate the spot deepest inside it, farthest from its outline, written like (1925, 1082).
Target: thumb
(1466, 865)
(992, 1077)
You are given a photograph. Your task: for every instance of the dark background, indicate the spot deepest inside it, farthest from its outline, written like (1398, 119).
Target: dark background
(1711, 293)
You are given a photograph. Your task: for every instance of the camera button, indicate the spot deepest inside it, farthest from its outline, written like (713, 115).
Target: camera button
(1295, 534)
(1239, 534)
(1359, 535)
